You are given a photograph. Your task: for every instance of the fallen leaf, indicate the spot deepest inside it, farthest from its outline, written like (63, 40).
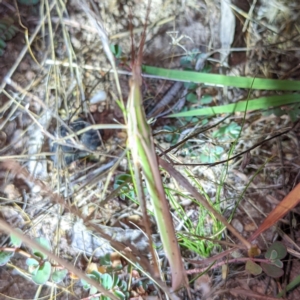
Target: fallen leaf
(287, 204)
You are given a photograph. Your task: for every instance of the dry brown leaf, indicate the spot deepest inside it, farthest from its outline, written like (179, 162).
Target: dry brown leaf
(287, 204)
(203, 284)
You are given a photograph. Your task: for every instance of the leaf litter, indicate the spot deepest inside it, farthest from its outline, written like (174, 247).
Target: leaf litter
(26, 142)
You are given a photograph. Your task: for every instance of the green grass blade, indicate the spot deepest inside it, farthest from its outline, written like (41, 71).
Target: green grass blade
(253, 104)
(294, 283)
(224, 80)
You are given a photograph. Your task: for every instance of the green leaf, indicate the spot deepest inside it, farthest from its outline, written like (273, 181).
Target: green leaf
(2, 43)
(122, 285)
(207, 158)
(43, 273)
(44, 243)
(253, 268)
(59, 275)
(145, 285)
(121, 181)
(120, 295)
(115, 279)
(86, 285)
(29, 2)
(190, 85)
(7, 30)
(206, 69)
(218, 150)
(278, 263)
(5, 257)
(16, 242)
(273, 254)
(225, 80)
(171, 137)
(227, 132)
(279, 248)
(105, 260)
(168, 137)
(251, 104)
(40, 255)
(97, 275)
(294, 113)
(272, 270)
(192, 98)
(189, 118)
(211, 153)
(206, 99)
(31, 262)
(204, 122)
(94, 291)
(33, 265)
(33, 269)
(107, 281)
(186, 62)
(294, 283)
(104, 297)
(278, 112)
(116, 50)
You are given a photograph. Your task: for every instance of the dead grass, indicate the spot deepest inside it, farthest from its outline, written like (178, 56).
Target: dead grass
(57, 200)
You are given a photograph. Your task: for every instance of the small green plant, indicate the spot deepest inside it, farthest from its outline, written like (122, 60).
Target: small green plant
(211, 153)
(116, 50)
(39, 267)
(122, 182)
(120, 59)
(273, 264)
(41, 270)
(109, 282)
(203, 230)
(188, 62)
(190, 119)
(173, 135)
(7, 32)
(5, 256)
(227, 132)
(106, 271)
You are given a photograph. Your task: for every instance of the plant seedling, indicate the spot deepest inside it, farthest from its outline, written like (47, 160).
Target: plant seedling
(7, 32)
(275, 253)
(109, 282)
(39, 268)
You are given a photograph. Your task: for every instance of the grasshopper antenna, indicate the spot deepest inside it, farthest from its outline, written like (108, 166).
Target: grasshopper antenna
(137, 61)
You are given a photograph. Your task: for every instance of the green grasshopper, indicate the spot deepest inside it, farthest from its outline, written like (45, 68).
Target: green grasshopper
(141, 146)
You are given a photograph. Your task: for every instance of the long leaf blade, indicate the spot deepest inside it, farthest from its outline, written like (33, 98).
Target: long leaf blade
(224, 80)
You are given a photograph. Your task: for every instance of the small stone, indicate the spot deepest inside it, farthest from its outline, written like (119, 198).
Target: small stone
(75, 42)
(237, 225)
(250, 227)
(36, 189)
(93, 108)
(121, 135)
(98, 97)
(18, 140)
